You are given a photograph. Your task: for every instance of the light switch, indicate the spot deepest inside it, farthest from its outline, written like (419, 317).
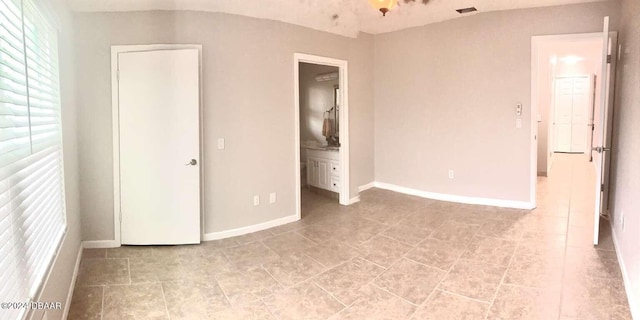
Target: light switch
(519, 109)
(272, 197)
(518, 123)
(221, 143)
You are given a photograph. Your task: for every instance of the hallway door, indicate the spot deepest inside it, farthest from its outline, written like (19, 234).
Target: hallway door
(159, 99)
(572, 101)
(603, 126)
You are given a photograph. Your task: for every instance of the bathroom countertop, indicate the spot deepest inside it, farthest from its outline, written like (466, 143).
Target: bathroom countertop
(322, 148)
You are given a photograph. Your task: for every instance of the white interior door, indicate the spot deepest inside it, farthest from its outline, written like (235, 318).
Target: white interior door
(603, 126)
(159, 147)
(580, 114)
(572, 100)
(563, 114)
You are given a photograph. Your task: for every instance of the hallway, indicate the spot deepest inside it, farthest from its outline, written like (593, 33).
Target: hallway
(592, 286)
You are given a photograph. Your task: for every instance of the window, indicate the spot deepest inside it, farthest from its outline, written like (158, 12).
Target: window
(32, 212)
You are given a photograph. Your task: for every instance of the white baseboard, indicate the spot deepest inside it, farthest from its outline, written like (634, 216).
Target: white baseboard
(249, 229)
(98, 244)
(72, 286)
(367, 186)
(634, 303)
(455, 198)
(354, 199)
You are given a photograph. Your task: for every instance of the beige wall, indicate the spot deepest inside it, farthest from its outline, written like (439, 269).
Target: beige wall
(445, 98)
(248, 100)
(625, 175)
(316, 97)
(59, 282)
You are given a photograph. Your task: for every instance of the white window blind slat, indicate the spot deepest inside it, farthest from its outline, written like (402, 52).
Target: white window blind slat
(29, 202)
(9, 158)
(14, 7)
(9, 36)
(42, 91)
(7, 60)
(43, 112)
(32, 219)
(13, 110)
(39, 75)
(13, 133)
(19, 146)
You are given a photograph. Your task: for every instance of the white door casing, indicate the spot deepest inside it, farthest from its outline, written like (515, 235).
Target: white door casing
(158, 105)
(343, 66)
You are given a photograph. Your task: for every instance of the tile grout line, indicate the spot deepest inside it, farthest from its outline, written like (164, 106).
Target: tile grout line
(269, 309)
(395, 295)
(344, 306)
(504, 275)
(164, 298)
(104, 289)
(129, 269)
(436, 287)
(488, 303)
(566, 246)
(222, 290)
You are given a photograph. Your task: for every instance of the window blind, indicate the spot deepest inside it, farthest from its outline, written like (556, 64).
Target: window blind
(32, 212)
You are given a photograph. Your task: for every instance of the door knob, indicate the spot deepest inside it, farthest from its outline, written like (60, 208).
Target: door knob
(193, 162)
(600, 149)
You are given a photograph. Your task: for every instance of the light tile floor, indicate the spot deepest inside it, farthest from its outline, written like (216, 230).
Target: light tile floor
(391, 256)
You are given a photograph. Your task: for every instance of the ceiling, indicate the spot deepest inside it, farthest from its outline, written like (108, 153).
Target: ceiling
(344, 17)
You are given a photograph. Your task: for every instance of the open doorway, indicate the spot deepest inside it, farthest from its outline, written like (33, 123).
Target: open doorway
(571, 84)
(322, 131)
(569, 68)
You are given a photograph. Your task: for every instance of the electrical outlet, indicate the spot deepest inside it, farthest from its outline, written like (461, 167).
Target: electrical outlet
(256, 200)
(272, 197)
(451, 174)
(220, 143)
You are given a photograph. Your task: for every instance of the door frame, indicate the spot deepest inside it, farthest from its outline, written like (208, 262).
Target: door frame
(590, 111)
(343, 127)
(536, 43)
(115, 116)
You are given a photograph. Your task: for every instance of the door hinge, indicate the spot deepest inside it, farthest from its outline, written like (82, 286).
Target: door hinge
(608, 58)
(602, 187)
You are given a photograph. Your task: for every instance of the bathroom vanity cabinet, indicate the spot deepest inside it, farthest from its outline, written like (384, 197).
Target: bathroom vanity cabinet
(323, 169)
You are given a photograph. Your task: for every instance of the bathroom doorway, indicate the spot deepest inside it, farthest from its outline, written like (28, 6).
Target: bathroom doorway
(321, 129)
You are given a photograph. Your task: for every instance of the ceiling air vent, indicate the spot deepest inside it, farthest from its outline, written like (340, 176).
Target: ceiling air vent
(466, 10)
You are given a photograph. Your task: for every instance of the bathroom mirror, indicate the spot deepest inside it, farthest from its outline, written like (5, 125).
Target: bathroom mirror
(336, 113)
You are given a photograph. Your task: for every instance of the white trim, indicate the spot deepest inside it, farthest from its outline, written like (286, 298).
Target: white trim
(456, 198)
(72, 286)
(342, 65)
(99, 244)
(634, 303)
(115, 114)
(355, 199)
(367, 186)
(249, 229)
